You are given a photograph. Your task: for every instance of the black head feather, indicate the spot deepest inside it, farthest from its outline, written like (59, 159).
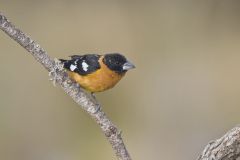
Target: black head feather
(117, 62)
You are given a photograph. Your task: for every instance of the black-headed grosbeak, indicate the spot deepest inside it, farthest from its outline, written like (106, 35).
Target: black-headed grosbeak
(97, 73)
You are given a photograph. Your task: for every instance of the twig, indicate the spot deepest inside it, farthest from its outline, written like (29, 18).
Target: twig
(71, 88)
(224, 148)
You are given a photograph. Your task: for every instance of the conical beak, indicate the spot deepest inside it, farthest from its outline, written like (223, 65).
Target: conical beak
(128, 65)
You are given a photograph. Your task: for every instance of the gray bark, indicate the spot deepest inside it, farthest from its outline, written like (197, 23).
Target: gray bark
(225, 148)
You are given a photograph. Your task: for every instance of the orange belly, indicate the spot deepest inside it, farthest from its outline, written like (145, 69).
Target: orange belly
(98, 81)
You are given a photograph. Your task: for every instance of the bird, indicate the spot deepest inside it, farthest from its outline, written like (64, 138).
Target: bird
(95, 72)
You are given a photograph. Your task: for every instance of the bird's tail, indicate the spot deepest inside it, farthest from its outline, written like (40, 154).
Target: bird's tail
(65, 63)
(62, 60)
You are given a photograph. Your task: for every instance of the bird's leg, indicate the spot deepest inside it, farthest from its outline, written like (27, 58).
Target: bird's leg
(96, 102)
(93, 96)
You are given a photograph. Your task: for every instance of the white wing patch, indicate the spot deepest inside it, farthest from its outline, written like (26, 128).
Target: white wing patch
(84, 66)
(75, 62)
(72, 67)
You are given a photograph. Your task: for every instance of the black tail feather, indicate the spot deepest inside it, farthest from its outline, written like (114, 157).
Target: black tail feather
(66, 63)
(62, 60)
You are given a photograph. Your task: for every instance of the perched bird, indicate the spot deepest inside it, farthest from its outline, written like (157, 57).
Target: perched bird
(97, 73)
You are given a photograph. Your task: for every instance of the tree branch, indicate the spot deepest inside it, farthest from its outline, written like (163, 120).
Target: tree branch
(71, 88)
(224, 148)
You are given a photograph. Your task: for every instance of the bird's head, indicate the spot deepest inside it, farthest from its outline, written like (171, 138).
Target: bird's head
(117, 62)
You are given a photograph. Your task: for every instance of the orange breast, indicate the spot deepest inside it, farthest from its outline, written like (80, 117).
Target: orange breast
(98, 81)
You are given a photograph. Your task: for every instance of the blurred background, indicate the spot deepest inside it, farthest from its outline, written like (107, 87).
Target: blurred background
(184, 92)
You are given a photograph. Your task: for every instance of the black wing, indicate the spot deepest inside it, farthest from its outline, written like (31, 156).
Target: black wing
(82, 64)
(77, 56)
